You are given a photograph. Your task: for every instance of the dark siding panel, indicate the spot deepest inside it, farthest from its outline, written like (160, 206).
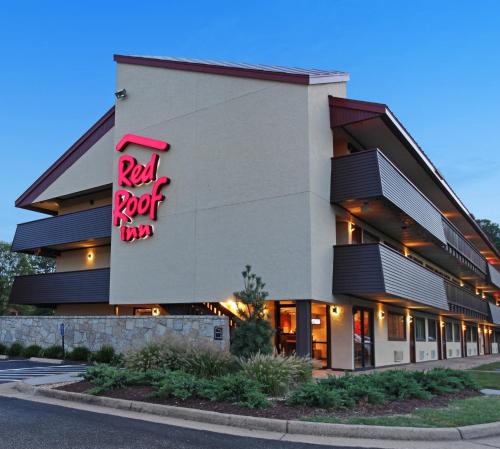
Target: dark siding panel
(407, 279)
(86, 286)
(73, 227)
(495, 313)
(397, 189)
(376, 269)
(357, 270)
(355, 177)
(494, 275)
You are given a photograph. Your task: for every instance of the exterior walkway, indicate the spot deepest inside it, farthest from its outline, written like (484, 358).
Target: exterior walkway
(458, 363)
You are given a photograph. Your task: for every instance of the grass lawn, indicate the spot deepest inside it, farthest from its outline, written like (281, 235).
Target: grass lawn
(487, 380)
(477, 410)
(487, 367)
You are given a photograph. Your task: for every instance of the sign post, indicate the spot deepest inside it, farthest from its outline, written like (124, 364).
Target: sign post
(61, 328)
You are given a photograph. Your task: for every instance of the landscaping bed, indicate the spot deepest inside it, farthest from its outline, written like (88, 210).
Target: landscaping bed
(277, 409)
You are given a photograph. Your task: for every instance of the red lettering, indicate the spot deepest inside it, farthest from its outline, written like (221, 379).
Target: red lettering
(131, 173)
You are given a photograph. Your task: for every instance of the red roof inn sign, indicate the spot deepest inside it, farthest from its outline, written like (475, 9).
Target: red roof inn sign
(133, 174)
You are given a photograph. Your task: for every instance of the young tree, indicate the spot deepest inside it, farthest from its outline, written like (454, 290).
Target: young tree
(253, 331)
(16, 264)
(492, 230)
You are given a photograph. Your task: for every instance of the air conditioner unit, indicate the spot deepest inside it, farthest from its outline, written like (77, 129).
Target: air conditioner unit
(398, 356)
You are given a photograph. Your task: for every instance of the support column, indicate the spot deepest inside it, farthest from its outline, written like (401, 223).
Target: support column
(304, 338)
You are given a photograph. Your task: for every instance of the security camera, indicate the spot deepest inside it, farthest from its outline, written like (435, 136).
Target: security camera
(121, 94)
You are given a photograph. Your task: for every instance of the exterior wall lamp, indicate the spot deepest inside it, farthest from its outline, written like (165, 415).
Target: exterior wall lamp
(381, 315)
(155, 311)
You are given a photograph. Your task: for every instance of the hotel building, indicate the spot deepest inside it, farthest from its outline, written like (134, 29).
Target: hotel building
(201, 168)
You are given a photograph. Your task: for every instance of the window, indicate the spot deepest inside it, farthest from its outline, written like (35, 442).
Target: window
(396, 326)
(432, 324)
(471, 334)
(456, 332)
(420, 329)
(449, 332)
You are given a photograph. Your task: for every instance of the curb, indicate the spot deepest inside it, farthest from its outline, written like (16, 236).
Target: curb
(44, 360)
(276, 425)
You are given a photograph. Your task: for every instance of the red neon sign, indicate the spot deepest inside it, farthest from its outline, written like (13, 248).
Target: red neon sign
(131, 173)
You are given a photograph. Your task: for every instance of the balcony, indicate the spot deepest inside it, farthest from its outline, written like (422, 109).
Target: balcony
(493, 276)
(372, 188)
(377, 272)
(85, 228)
(67, 287)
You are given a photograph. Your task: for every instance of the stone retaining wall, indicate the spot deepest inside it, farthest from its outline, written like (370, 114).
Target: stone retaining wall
(121, 332)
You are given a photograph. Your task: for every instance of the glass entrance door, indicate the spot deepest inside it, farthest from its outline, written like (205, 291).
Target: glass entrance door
(363, 338)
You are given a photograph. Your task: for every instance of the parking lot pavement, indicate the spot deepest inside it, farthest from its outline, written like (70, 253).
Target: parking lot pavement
(16, 370)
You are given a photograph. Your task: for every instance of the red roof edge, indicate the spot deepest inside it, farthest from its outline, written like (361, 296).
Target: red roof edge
(241, 72)
(78, 149)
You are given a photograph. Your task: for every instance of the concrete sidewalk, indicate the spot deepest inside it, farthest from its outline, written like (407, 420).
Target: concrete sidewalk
(458, 363)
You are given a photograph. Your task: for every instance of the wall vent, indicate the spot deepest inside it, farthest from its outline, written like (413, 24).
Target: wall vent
(433, 354)
(450, 352)
(398, 356)
(457, 352)
(421, 355)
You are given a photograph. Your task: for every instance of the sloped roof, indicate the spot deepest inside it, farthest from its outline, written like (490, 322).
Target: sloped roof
(78, 149)
(265, 72)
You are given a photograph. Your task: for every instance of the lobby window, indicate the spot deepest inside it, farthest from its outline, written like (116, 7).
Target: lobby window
(456, 332)
(432, 324)
(143, 311)
(449, 332)
(420, 329)
(396, 326)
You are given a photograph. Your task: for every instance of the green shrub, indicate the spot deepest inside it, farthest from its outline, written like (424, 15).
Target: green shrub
(277, 373)
(177, 384)
(234, 388)
(3, 349)
(80, 354)
(105, 377)
(31, 351)
(53, 352)
(320, 395)
(15, 349)
(442, 381)
(104, 355)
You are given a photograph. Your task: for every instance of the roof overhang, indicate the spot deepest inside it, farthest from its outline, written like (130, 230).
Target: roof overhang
(77, 150)
(348, 114)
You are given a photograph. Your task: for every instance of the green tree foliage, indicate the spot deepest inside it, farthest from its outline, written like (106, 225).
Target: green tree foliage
(253, 331)
(492, 230)
(16, 264)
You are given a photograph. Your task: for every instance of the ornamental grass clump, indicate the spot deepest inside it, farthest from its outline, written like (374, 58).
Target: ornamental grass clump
(173, 354)
(277, 374)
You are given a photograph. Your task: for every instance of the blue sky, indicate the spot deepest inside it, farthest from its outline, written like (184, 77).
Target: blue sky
(435, 63)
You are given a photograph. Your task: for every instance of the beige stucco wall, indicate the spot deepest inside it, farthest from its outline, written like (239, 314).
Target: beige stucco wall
(91, 170)
(241, 191)
(453, 349)
(78, 259)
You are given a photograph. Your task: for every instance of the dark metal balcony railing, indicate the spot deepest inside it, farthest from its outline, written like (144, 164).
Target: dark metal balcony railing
(463, 301)
(465, 248)
(90, 224)
(66, 287)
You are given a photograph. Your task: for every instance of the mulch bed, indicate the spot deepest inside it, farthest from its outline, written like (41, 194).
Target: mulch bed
(278, 410)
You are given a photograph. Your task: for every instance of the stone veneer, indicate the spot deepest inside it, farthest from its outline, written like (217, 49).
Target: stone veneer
(121, 332)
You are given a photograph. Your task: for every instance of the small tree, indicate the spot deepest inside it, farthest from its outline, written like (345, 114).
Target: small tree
(253, 331)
